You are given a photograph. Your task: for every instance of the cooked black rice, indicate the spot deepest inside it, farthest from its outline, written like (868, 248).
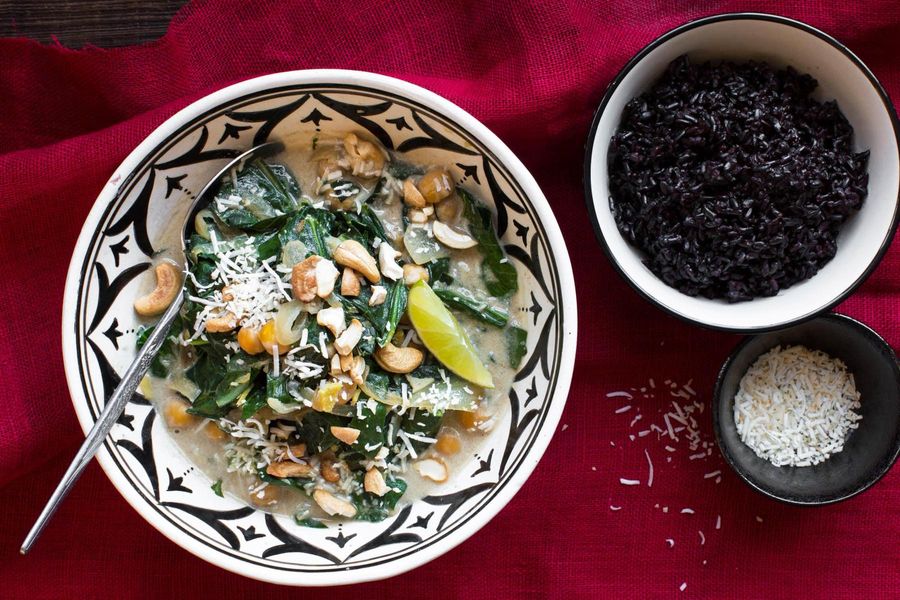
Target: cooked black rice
(732, 179)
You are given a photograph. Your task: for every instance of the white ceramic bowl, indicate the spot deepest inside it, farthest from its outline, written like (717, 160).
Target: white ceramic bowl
(843, 77)
(151, 190)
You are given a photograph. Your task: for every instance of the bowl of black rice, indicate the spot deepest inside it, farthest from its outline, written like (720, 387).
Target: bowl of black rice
(743, 173)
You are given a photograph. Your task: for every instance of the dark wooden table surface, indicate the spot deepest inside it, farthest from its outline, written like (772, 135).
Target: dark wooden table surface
(75, 23)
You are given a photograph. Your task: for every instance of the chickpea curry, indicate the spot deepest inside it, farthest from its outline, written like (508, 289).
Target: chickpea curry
(347, 334)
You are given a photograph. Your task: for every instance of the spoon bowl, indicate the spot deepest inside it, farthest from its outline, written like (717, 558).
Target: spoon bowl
(138, 368)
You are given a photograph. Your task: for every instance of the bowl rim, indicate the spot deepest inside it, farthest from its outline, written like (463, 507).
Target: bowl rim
(556, 246)
(857, 327)
(634, 61)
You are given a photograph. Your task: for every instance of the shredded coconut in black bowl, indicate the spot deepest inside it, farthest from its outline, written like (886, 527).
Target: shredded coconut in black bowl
(732, 179)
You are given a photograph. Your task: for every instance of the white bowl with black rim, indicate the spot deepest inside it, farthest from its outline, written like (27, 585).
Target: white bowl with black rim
(781, 42)
(149, 194)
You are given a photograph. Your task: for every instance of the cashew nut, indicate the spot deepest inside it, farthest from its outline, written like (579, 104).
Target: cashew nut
(414, 273)
(327, 467)
(289, 468)
(168, 284)
(435, 185)
(351, 253)
(399, 360)
(412, 196)
(303, 279)
(326, 276)
(336, 367)
(358, 370)
(346, 342)
(222, 324)
(333, 319)
(350, 285)
(451, 237)
(348, 435)
(333, 505)
(379, 294)
(417, 216)
(387, 260)
(374, 482)
(434, 469)
(366, 159)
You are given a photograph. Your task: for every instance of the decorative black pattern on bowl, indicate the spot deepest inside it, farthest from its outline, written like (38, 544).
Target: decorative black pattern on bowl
(129, 223)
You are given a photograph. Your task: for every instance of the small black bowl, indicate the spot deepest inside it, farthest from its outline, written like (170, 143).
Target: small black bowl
(868, 453)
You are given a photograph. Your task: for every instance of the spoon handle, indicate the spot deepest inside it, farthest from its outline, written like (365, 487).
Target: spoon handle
(111, 411)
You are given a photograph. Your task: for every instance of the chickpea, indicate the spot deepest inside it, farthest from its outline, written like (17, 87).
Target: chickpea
(449, 210)
(436, 185)
(176, 414)
(366, 159)
(214, 433)
(470, 420)
(267, 338)
(448, 442)
(248, 339)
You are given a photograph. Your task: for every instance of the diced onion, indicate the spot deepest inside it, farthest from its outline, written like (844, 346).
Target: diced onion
(185, 387)
(200, 224)
(288, 324)
(421, 247)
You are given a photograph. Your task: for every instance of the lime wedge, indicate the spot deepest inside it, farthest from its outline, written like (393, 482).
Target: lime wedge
(442, 335)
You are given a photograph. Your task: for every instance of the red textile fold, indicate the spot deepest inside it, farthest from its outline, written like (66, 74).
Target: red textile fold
(533, 72)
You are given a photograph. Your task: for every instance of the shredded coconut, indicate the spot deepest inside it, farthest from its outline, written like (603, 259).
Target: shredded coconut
(796, 406)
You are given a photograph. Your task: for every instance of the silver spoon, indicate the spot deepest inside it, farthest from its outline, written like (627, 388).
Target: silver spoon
(133, 375)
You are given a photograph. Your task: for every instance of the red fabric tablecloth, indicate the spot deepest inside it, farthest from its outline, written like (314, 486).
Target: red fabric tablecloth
(533, 72)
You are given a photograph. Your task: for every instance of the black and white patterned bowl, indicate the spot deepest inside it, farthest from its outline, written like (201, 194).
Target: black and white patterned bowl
(132, 219)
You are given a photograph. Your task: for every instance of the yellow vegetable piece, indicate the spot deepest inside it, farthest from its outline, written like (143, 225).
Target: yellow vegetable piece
(327, 396)
(146, 387)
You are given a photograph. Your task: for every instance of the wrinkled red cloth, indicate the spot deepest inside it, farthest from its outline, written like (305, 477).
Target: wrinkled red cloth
(533, 72)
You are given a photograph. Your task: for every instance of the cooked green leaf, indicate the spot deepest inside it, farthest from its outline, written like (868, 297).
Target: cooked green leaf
(392, 311)
(255, 401)
(314, 430)
(371, 420)
(403, 170)
(383, 318)
(498, 274)
(517, 344)
(478, 307)
(370, 507)
(258, 199)
(439, 271)
(309, 522)
(421, 423)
